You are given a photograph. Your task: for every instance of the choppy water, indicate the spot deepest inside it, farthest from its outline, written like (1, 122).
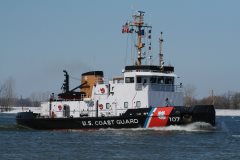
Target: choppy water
(196, 141)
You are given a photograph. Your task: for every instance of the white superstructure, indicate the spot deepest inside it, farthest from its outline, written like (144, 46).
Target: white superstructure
(141, 86)
(136, 89)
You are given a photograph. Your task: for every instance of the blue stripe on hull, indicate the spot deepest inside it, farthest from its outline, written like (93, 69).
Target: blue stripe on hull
(148, 118)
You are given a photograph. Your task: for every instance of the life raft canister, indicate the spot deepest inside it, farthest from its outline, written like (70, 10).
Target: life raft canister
(100, 106)
(102, 90)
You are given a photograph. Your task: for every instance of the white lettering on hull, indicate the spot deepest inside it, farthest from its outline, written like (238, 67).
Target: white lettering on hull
(110, 122)
(174, 119)
(127, 121)
(104, 123)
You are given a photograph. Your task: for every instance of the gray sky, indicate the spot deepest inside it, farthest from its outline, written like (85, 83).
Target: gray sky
(38, 39)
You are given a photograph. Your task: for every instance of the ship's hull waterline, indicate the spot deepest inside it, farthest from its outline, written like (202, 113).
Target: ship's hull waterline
(133, 118)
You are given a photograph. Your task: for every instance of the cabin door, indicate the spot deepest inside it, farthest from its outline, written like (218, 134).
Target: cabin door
(66, 111)
(114, 108)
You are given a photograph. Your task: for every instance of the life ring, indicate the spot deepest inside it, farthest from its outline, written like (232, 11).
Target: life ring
(59, 107)
(102, 90)
(100, 106)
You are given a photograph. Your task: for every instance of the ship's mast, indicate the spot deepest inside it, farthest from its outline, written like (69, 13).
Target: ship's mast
(138, 22)
(139, 25)
(161, 63)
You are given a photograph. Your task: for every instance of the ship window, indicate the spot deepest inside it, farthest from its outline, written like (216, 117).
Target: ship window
(129, 80)
(169, 80)
(144, 81)
(125, 104)
(138, 104)
(153, 79)
(108, 105)
(160, 80)
(139, 79)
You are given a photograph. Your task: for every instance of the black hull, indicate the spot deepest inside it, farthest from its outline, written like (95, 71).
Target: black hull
(133, 118)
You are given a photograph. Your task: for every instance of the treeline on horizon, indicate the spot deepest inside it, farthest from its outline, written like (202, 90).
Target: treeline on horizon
(225, 101)
(229, 100)
(8, 98)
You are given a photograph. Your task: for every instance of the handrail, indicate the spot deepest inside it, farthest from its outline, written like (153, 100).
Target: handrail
(160, 87)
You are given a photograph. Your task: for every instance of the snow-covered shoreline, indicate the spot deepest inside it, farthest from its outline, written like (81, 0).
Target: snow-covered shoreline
(219, 112)
(227, 112)
(15, 110)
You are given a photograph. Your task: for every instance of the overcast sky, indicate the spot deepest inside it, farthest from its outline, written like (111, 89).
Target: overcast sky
(40, 38)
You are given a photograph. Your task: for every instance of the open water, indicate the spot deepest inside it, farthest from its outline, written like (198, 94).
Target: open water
(196, 141)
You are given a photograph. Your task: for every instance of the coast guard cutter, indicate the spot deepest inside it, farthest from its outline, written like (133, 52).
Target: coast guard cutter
(145, 96)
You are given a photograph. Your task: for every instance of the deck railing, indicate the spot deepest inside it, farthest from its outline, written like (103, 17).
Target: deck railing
(160, 87)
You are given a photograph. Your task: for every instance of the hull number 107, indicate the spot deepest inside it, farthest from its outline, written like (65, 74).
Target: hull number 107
(174, 119)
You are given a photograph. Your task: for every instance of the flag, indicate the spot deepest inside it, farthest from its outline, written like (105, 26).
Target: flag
(125, 28)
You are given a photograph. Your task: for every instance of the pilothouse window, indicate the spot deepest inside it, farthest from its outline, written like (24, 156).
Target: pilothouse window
(139, 79)
(169, 80)
(129, 80)
(160, 80)
(153, 79)
(165, 80)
